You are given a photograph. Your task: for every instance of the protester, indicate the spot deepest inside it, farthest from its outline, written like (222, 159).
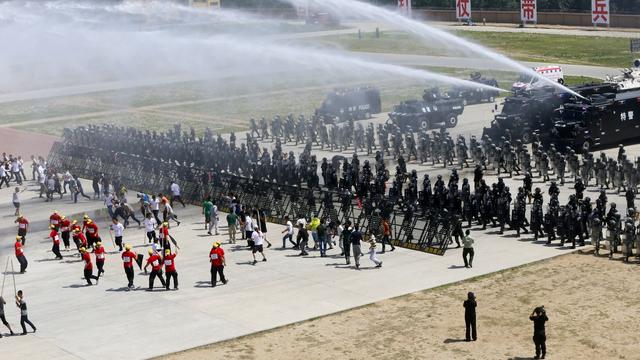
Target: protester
(88, 267)
(467, 242)
(2, 316)
(170, 269)
(258, 239)
(372, 251)
(218, 262)
(24, 316)
(19, 251)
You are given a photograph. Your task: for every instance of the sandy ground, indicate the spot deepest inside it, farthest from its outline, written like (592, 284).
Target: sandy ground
(592, 306)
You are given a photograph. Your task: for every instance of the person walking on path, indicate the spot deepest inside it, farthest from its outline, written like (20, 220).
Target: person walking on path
(2, 317)
(372, 251)
(539, 317)
(88, 267)
(170, 269)
(232, 226)
(128, 258)
(218, 262)
(470, 317)
(302, 239)
(23, 228)
(386, 234)
(467, 243)
(258, 240)
(20, 255)
(207, 206)
(24, 316)
(346, 241)
(288, 233)
(355, 239)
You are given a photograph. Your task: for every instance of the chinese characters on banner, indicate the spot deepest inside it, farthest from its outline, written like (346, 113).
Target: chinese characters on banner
(463, 9)
(405, 7)
(528, 11)
(600, 12)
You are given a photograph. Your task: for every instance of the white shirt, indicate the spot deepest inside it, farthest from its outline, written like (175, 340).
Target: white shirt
(257, 238)
(248, 223)
(175, 189)
(155, 204)
(289, 228)
(340, 230)
(15, 166)
(2, 172)
(149, 224)
(15, 198)
(108, 201)
(118, 229)
(168, 207)
(301, 221)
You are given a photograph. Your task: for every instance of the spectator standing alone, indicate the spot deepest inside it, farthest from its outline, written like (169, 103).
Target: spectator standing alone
(470, 317)
(539, 317)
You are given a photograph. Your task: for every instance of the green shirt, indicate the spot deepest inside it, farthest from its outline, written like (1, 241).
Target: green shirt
(232, 219)
(207, 206)
(467, 242)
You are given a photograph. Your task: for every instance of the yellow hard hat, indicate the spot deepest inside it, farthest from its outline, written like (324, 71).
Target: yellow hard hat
(82, 249)
(75, 222)
(216, 244)
(165, 224)
(86, 216)
(19, 238)
(52, 226)
(20, 216)
(76, 230)
(98, 243)
(63, 217)
(150, 251)
(89, 221)
(55, 211)
(167, 252)
(127, 247)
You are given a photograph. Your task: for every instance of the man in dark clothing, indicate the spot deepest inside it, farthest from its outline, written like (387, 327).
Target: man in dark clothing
(470, 317)
(539, 317)
(302, 240)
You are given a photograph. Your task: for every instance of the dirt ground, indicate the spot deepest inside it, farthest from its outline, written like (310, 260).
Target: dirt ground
(593, 307)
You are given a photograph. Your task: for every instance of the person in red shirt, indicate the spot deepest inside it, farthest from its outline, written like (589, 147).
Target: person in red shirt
(92, 233)
(128, 258)
(88, 267)
(75, 230)
(23, 227)
(54, 219)
(20, 255)
(170, 269)
(65, 228)
(163, 236)
(218, 262)
(156, 269)
(79, 239)
(100, 257)
(55, 238)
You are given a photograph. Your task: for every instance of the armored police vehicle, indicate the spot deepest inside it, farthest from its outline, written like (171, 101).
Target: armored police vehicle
(478, 95)
(352, 103)
(604, 120)
(524, 113)
(434, 110)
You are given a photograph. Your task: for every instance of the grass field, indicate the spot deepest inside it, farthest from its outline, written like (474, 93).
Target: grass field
(587, 50)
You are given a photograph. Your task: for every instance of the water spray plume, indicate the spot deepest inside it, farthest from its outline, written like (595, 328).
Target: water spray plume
(80, 42)
(428, 33)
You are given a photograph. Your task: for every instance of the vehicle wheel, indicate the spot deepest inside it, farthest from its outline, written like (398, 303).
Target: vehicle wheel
(526, 138)
(492, 99)
(424, 125)
(452, 121)
(586, 145)
(561, 81)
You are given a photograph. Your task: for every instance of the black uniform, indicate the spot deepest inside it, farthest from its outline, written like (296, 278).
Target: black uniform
(470, 317)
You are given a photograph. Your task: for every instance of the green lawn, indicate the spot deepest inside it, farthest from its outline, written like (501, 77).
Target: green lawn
(601, 51)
